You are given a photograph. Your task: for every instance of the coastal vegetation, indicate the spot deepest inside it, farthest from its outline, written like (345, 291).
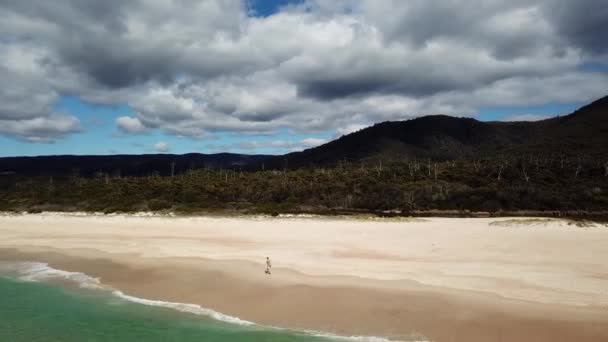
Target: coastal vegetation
(540, 183)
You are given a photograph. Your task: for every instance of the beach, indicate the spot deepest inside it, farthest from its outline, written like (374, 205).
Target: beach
(435, 279)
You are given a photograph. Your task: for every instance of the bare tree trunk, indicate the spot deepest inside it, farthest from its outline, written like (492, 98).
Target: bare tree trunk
(51, 186)
(500, 170)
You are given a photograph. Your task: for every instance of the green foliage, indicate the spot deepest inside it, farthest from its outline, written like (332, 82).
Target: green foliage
(493, 185)
(159, 204)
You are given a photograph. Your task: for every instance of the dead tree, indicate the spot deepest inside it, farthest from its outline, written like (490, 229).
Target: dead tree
(379, 168)
(51, 186)
(476, 165)
(416, 165)
(348, 200)
(172, 167)
(75, 177)
(523, 171)
(501, 168)
(579, 168)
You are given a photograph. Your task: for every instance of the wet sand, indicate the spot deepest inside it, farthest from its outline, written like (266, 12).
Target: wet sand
(444, 279)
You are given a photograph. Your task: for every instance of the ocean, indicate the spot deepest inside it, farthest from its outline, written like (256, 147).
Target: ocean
(38, 303)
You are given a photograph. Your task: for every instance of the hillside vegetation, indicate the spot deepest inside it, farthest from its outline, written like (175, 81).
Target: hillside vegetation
(430, 163)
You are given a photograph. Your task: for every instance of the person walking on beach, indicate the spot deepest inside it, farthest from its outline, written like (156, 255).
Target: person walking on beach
(268, 265)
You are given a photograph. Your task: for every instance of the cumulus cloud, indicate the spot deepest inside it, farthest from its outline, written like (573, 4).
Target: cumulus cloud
(129, 124)
(41, 129)
(278, 146)
(312, 142)
(526, 117)
(193, 68)
(161, 147)
(350, 128)
(26, 101)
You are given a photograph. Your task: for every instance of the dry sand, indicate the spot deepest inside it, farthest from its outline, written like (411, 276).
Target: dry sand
(480, 279)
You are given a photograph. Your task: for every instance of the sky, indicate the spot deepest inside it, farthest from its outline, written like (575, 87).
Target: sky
(274, 76)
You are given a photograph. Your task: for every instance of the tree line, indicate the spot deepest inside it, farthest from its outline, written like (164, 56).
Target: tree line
(500, 183)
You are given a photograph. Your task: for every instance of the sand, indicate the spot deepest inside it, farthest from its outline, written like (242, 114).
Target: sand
(447, 279)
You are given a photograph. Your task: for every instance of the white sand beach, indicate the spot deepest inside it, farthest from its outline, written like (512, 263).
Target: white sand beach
(448, 279)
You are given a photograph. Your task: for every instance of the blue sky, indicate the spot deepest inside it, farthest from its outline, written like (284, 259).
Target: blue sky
(250, 76)
(264, 8)
(100, 135)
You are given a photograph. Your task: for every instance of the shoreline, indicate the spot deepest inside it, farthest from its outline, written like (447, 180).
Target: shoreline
(216, 263)
(574, 216)
(423, 312)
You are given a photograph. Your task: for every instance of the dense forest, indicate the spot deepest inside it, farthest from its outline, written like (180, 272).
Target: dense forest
(539, 183)
(454, 165)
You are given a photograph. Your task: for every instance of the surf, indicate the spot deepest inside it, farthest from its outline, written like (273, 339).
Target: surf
(43, 272)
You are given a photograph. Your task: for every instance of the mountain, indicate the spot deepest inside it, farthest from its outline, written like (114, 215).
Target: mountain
(125, 165)
(437, 137)
(441, 137)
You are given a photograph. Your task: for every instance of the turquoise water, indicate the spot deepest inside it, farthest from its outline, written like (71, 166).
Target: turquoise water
(39, 311)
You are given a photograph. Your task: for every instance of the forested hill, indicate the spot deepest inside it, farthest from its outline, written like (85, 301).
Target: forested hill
(440, 137)
(122, 165)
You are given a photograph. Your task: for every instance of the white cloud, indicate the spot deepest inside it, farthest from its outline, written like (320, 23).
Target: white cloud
(275, 146)
(41, 129)
(312, 142)
(350, 128)
(129, 124)
(161, 147)
(526, 117)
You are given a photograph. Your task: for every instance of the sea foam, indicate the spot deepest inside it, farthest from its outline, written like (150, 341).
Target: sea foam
(40, 272)
(183, 307)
